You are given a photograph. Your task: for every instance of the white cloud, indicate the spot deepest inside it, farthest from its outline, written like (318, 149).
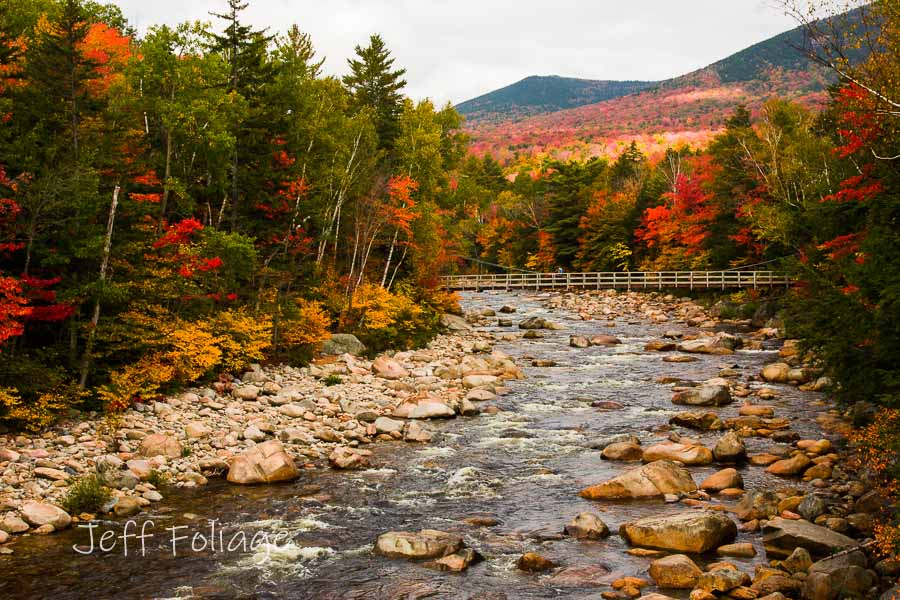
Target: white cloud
(458, 50)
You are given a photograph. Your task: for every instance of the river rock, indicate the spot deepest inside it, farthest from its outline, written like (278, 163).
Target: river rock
(343, 343)
(8, 455)
(702, 421)
(425, 544)
(730, 448)
(456, 563)
(388, 425)
(343, 457)
(653, 480)
(432, 409)
(660, 346)
(686, 454)
(388, 368)
(534, 563)
(776, 373)
(742, 550)
(579, 341)
(757, 505)
(812, 506)
(723, 480)
(722, 580)
(587, 526)
(267, 462)
(477, 381)
(840, 583)
(782, 536)
(536, 323)
(625, 451)
(605, 340)
(248, 393)
(455, 323)
(480, 395)
(693, 532)
(677, 571)
(40, 513)
(798, 562)
(705, 395)
(416, 432)
(13, 524)
(160, 444)
(790, 466)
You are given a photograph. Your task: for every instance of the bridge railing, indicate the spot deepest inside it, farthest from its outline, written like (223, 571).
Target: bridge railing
(613, 280)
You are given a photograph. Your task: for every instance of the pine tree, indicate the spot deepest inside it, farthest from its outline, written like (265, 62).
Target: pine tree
(374, 85)
(250, 72)
(58, 73)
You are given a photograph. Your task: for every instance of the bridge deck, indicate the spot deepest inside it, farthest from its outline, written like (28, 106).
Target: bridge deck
(630, 280)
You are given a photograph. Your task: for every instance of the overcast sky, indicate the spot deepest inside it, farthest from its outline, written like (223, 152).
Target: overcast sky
(456, 50)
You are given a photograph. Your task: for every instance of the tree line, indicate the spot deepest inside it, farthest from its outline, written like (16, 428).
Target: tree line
(201, 197)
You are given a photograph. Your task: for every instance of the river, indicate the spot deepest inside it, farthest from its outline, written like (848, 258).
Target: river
(522, 467)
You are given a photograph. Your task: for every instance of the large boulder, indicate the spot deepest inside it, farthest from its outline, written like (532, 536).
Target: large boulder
(687, 454)
(693, 532)
(839, 577)
(782, 536)
(388, 368)
(160, 444)
(653, 480)
(425, 544)
(704, 395)
(776, 373)
(343, 343)
(40, 513)
(432, 410)
(675, 572)
(264, 463)
(454, 323)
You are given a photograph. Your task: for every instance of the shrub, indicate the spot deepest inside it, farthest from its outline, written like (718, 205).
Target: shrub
(243, 338)
(333, 379)
(86, 494)
(41, 411)
(157, 478)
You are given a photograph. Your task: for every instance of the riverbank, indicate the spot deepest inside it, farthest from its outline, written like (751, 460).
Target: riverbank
(604, 372)
(307, 418)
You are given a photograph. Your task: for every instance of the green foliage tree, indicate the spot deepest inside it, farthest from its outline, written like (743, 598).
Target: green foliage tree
(375, 85)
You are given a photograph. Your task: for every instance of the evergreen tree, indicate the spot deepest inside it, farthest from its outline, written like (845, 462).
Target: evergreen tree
(250, 73)
(374, 85)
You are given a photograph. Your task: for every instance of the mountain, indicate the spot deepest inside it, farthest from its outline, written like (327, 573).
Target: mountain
(543, 94)
(568, 118)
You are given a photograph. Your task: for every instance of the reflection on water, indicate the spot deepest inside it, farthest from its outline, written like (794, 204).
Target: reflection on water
(522, 467)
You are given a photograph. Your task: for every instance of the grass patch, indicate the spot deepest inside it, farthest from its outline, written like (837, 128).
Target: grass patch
(157, 478)
(86, 494)
(333, 380)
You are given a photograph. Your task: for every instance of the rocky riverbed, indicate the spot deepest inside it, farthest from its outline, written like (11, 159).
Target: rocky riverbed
(559, 445)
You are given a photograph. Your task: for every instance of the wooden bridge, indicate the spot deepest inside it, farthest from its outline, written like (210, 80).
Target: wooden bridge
(633, 280)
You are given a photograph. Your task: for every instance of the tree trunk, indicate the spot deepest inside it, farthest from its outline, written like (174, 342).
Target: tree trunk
(95, 318)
